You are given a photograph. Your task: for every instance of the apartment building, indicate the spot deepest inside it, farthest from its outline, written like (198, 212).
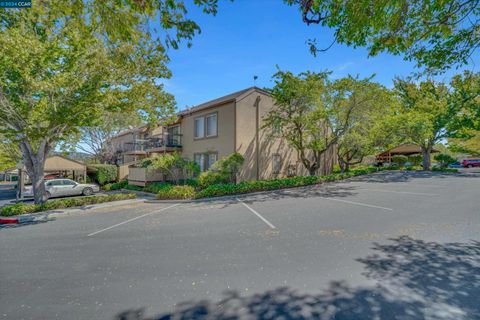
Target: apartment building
(217, 128)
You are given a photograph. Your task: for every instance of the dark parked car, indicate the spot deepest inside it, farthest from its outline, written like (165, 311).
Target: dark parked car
(470, 163)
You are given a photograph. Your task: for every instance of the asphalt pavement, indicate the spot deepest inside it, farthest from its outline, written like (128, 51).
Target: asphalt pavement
(391, 245)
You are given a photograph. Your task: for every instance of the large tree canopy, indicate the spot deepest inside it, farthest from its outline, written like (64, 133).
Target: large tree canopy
(430, 112)
(64, 64)
(437, 34)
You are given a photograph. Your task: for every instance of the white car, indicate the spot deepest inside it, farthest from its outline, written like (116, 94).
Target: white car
(64, 188)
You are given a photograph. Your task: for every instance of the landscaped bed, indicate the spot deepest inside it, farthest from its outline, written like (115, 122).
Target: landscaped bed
(22, 208)
(195, 189)
(191, 189)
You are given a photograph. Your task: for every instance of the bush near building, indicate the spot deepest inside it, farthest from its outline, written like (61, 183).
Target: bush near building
(103, 173)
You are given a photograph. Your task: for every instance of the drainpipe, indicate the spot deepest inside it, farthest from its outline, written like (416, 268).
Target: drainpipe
(257, 144)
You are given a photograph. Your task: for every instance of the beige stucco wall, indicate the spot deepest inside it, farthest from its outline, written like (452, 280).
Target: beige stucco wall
(268, 145)
(223, 143)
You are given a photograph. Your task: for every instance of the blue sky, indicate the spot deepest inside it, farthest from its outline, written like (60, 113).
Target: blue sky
(252, 37)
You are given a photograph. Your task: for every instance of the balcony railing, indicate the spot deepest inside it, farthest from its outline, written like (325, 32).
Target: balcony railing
(170, 141)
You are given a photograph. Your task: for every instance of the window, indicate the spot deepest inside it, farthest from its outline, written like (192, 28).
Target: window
(200, 160)
(199, 127)
(277, 164)
(205, 160)
(68, 183)
(212, 158)
(206, 126)
(212, 125)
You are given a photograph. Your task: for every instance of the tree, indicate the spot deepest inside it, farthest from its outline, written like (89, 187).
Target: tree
(368, 132)
(64, 64)
(437, 34)
(469, 143)
(444, 159)
(430, 112)
(9, 154)
(95, 139)
(314, 113)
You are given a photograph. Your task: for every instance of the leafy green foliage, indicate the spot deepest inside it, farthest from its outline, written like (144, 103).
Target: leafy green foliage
(415, 159)
(22, 208)
(444, 159)
(103, 173)
(173, 163)
(437, 34)
(265, 185)
(223, 171)
(155, 187)
(64, 65)
(133, 187)
(400, 160)
(176, 192)
(429, 112)
(315, 113)
(116, 186)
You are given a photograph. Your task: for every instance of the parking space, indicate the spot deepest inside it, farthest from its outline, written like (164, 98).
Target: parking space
(316, 241)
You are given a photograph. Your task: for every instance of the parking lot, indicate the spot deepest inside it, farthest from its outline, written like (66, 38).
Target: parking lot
(391, 245)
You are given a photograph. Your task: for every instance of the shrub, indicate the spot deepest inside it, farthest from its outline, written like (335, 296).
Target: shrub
(452, 170)
(174, 165)
(133, 187)
(209, 178)
(176, 192)
(223, 171)
(155, 187)
(415, 159)
(22, 208)
(444, 159)
(400, 160)
(104, 173)
(116, 186)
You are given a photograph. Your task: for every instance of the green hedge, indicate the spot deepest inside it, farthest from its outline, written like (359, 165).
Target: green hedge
(266, 185)
(176, 192)
(452, 170)
(116, 186)
(103, 173)
(21, 208)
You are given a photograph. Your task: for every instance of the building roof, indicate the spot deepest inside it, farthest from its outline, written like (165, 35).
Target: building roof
(235, 96)
(407, 148)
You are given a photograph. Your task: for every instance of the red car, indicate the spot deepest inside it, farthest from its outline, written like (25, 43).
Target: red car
(470, 163)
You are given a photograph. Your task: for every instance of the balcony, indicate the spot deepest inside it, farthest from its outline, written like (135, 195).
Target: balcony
(137, 147)
(168, 143)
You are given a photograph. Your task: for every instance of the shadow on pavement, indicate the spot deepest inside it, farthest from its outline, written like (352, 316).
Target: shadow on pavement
(416, 280)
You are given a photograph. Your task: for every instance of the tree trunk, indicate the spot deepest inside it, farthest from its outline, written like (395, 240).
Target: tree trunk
(312, 170)
(426, 157)
(34, 164)
(347, 166)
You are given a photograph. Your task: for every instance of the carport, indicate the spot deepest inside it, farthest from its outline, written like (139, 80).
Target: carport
(56, 166)
(406, 149)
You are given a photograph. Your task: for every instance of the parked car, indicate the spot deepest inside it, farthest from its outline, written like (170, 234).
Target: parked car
(470, 163)
(64, 188)
(455, 165)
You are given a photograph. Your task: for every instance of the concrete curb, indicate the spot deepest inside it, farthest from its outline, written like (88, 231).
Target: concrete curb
(44, 215)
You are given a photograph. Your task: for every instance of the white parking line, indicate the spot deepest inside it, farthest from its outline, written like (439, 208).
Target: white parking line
(403, 192)
(258, 215)
(351, 202)
(133, 219)
(358, 203)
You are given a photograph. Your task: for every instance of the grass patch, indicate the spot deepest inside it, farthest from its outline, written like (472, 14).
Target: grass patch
(22, 208)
